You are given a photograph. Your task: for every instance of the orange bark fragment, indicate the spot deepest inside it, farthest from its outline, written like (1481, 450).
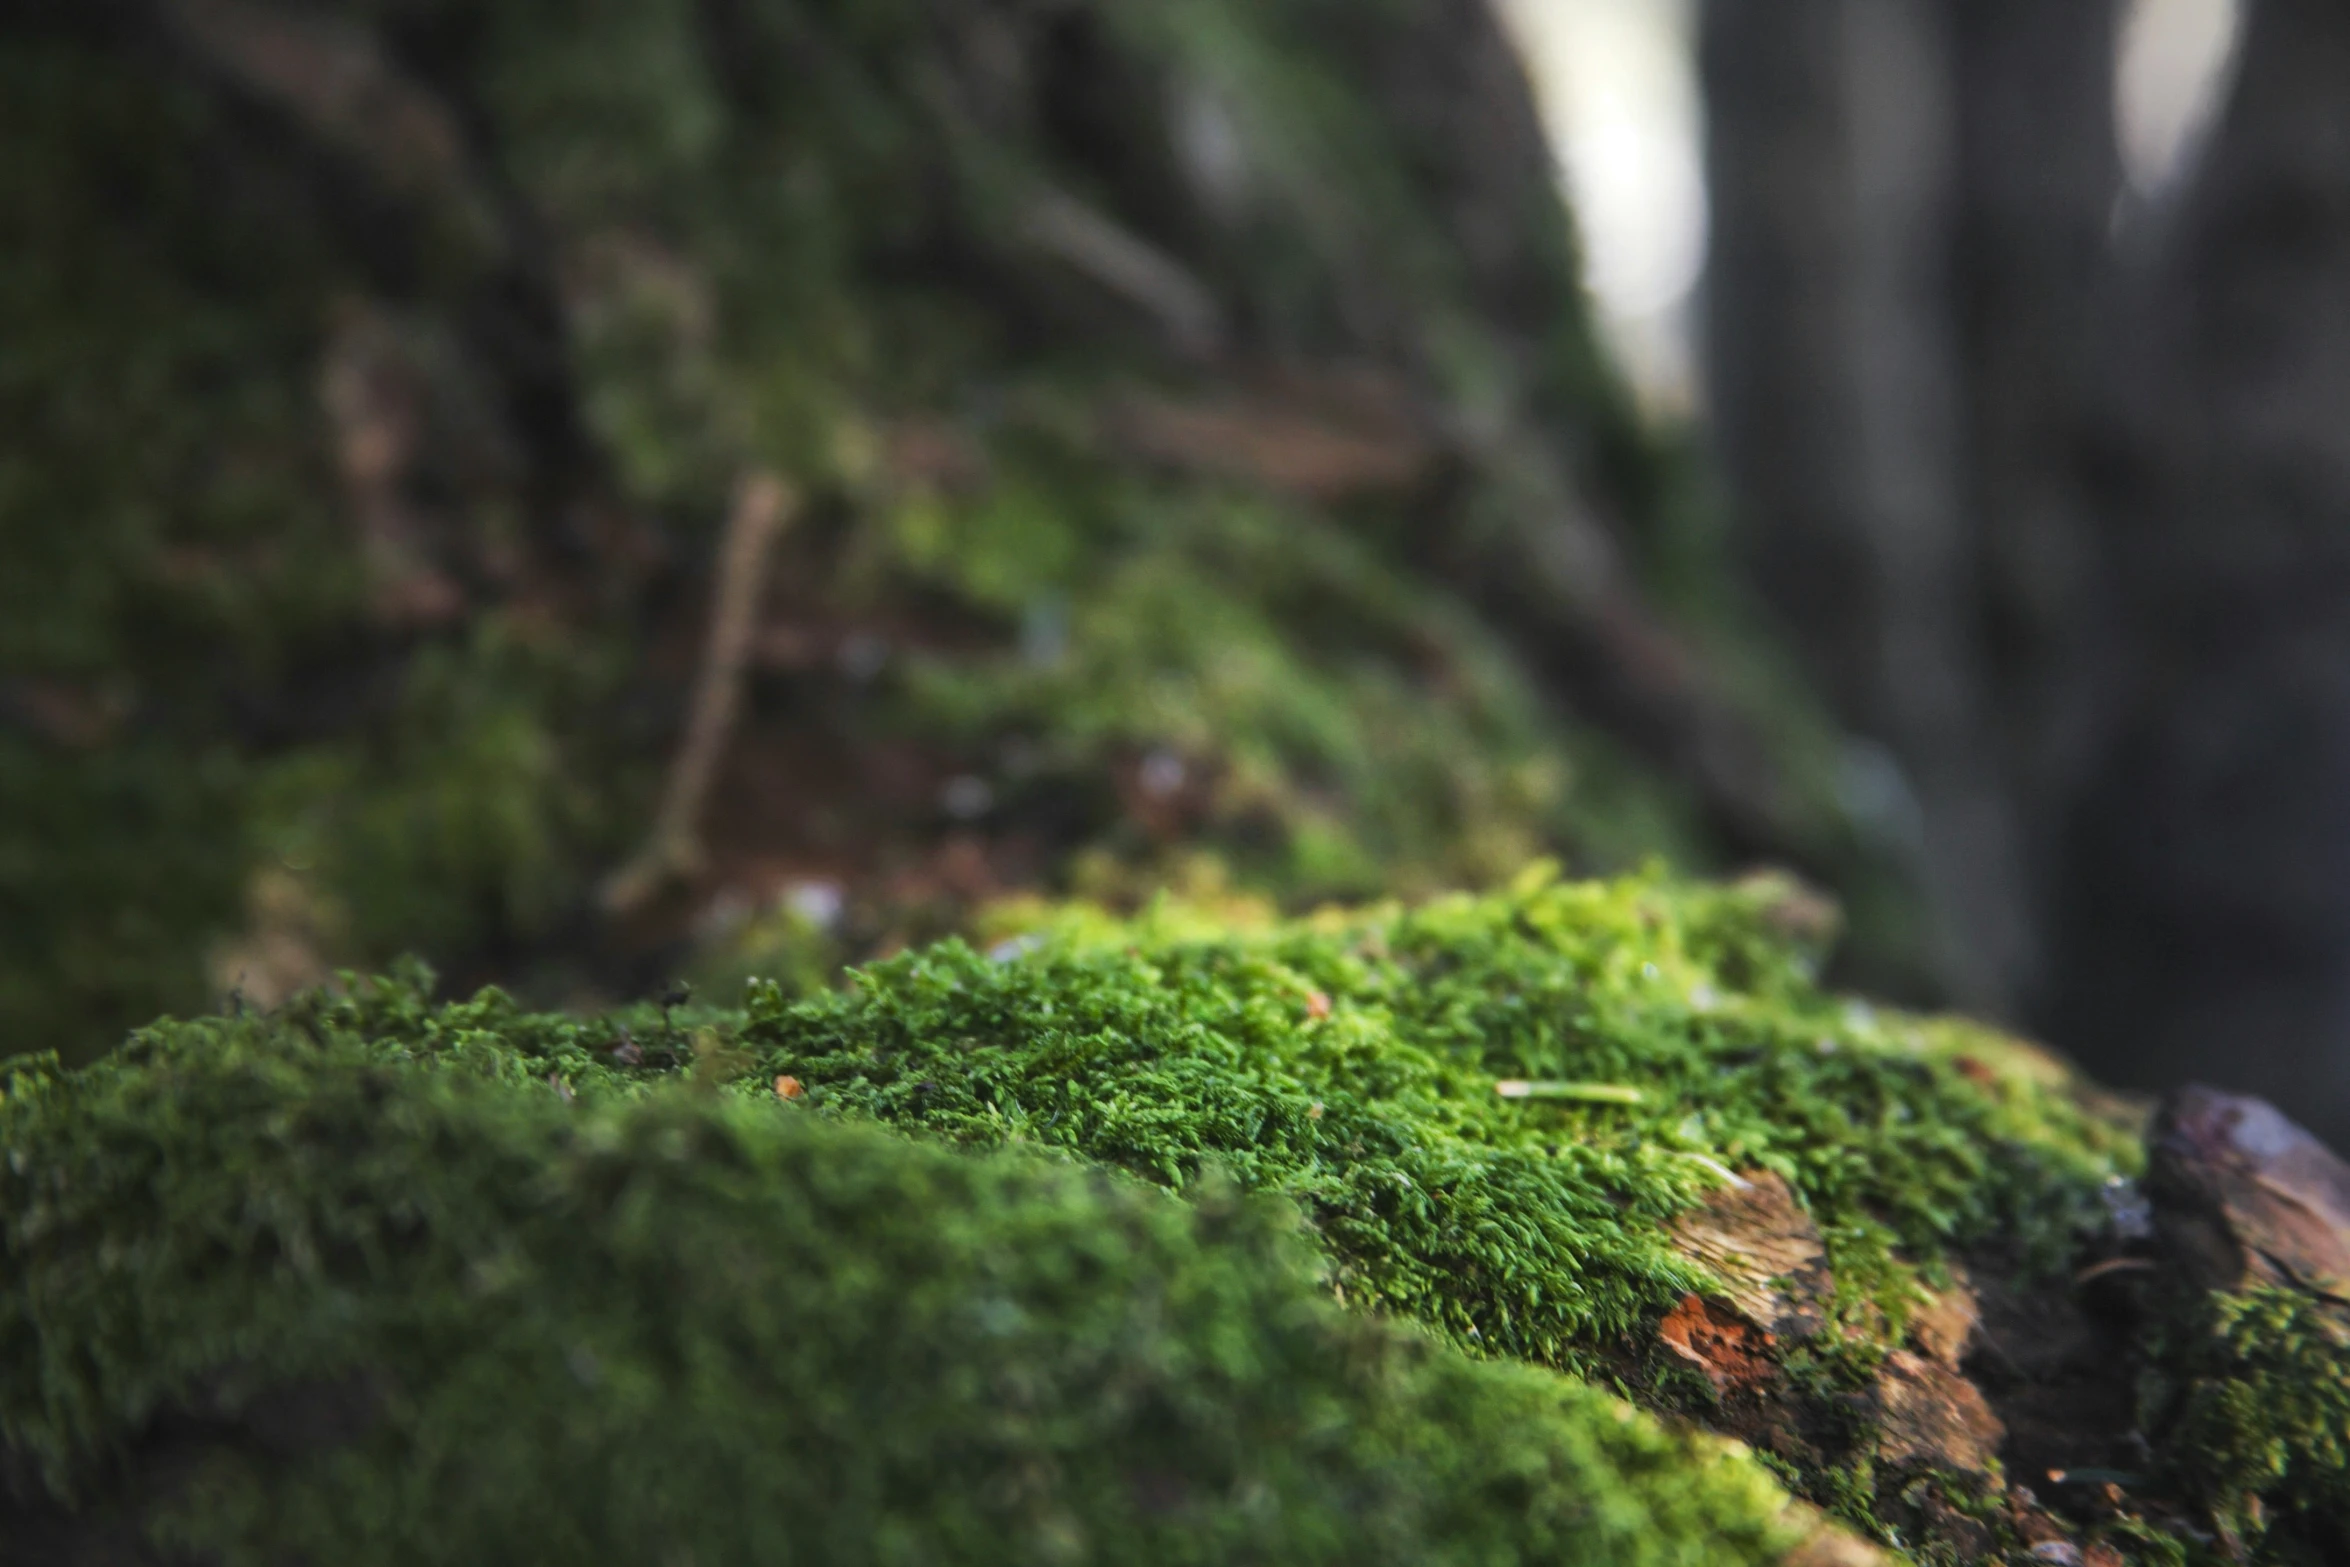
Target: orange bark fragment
(1731, 1351)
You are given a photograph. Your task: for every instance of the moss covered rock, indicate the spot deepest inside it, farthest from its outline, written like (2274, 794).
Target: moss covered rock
(1584, 1136)
(274, 1291)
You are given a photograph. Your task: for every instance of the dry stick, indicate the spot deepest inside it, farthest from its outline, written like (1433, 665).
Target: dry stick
(762, 506)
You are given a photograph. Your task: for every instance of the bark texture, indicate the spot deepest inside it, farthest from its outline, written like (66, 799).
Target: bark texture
(2053, 506)
(2206, 912)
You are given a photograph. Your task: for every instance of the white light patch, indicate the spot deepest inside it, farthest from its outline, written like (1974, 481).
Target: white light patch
(1617, 81)
(2169, 80)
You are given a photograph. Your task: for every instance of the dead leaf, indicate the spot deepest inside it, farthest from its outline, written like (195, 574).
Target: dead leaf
(1325, 437)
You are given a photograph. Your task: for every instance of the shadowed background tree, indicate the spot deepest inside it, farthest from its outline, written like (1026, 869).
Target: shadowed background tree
(2042, 479)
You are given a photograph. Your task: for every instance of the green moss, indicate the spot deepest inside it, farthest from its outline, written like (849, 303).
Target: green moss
(194, 694)
(1340, 1066)
(463, 812)
(1345, 731)
(2254, 1402)
(667, 1326)
(1349, 1063)
(156, 535)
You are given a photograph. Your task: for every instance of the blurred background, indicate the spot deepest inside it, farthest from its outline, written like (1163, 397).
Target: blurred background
(604, 492)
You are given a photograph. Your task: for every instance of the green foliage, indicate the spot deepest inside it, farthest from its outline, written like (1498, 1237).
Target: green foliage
(669, 1326)
(2255, 1403)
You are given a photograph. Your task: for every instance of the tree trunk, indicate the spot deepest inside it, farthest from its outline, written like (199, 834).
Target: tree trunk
(1884, 274)
(2206, 896)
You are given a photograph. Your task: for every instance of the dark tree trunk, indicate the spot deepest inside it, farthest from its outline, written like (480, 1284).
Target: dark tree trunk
(1909, 204)
(2064, 529)
(2206, 914)
(2039, 177)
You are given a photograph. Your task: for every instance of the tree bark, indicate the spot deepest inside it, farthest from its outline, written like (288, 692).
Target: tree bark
(2206, 897)
(1863, 192)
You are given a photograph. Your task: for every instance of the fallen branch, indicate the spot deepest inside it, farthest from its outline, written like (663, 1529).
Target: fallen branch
(763, 505)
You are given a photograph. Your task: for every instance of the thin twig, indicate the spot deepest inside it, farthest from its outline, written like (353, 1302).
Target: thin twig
(763, 505)
(1584, 1093)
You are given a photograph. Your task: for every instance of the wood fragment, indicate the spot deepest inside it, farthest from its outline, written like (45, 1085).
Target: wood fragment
(1758, 1241)
(763, 505)
(1834, 1547)
(1929, 1414)
(2242, 1195)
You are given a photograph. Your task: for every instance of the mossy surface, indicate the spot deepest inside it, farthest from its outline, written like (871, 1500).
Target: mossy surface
(671, 1326)
(496, 1198)
(2253, 1399)
(1350, 1063)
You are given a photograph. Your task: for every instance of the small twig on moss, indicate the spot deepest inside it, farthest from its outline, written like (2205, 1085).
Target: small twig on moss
(762, 507)
(1582, 1093)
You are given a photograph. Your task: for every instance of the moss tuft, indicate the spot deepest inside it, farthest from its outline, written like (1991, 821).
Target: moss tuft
(2256, 1404)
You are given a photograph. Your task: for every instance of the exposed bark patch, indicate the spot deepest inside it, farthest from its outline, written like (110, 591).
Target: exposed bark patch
(2245, 1196)
(1734, 1354)
(1944, 1327)
(1928, 1414)
(1765, 1249)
